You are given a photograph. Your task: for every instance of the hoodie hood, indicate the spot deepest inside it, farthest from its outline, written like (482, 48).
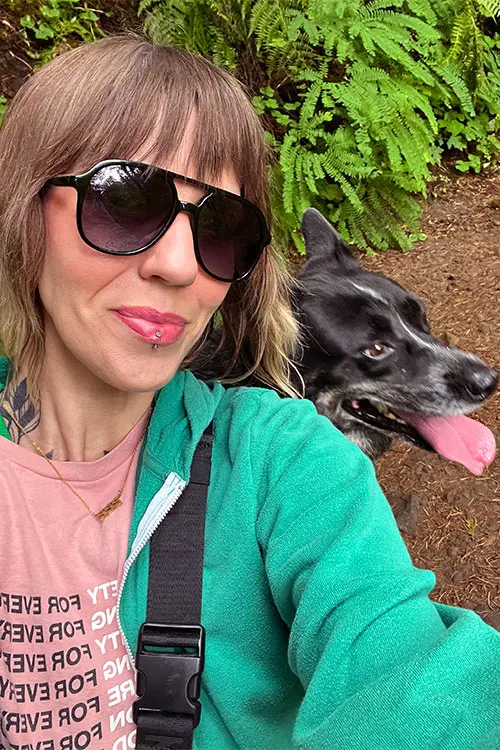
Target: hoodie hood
(183, 409)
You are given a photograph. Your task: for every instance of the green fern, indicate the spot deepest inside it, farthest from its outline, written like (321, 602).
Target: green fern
(489, 8)
(361, 98)
(212, 28)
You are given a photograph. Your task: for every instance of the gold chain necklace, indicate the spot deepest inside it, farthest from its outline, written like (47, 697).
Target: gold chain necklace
(116, 501)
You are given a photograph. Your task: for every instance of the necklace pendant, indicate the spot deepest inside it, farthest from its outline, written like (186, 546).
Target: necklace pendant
(109, 508)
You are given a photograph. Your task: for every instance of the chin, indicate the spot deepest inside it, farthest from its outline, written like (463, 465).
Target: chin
(138, 375)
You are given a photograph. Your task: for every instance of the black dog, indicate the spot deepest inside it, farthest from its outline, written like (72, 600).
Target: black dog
(372, 366)
(370, 363)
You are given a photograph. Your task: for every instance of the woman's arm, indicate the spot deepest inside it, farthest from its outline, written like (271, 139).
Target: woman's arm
(383, 667)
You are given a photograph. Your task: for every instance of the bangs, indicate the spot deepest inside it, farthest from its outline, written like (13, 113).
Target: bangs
(123, 96)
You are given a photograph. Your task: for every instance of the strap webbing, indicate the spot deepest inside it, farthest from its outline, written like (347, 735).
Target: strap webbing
(174, 590)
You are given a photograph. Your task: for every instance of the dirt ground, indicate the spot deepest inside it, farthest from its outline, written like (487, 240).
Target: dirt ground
(449, 519)
(15, 63)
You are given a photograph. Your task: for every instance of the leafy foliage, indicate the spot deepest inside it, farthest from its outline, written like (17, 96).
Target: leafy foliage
(360, 97)
(58, 24)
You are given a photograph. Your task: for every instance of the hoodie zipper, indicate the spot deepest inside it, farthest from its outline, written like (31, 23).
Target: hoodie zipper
(161, 504)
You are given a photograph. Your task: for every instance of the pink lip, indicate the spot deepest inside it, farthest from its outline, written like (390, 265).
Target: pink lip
(148, 323)
(154, 316)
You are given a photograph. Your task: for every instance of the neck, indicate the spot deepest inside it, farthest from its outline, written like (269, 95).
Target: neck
(78, 417)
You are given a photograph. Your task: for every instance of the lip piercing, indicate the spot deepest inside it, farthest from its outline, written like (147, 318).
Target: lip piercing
(155, 346)
(158, 334)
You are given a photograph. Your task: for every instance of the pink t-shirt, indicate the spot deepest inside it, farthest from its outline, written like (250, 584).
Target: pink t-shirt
(66, 682)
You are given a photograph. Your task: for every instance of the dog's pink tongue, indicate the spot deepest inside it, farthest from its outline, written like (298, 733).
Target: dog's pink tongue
(459, 439)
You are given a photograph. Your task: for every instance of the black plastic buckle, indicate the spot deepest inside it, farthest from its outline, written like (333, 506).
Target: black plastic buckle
(168, 682)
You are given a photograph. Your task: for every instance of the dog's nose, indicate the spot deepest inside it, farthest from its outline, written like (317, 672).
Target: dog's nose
(482, 383)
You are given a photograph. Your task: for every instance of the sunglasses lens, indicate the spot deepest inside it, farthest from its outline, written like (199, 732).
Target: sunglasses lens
(230, 236)
(126, 207)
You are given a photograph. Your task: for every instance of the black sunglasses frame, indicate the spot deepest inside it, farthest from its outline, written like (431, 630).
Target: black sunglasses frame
(82, 181)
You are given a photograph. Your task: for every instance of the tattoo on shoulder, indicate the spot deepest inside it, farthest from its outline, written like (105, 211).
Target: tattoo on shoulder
(23, 408)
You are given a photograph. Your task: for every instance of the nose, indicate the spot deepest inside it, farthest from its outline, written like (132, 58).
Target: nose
(483, 382)
(172, 258)
(478, 382)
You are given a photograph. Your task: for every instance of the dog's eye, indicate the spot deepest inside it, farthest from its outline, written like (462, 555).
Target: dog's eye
(377, 351)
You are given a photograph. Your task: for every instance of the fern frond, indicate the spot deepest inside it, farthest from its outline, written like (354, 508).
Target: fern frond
(489, 8)
(422, 9)
(452, 75)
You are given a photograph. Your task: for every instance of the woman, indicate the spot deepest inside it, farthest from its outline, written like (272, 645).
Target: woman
(319, 631)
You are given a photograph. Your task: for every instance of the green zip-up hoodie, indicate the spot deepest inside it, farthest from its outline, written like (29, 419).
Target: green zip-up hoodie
(320, 633)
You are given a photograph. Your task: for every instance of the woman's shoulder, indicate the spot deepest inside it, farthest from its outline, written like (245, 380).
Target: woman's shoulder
(265, 404)
(294, 457)
(271, 430)
(281, 424)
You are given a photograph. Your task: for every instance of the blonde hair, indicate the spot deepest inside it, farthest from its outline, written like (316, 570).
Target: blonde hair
(106, 100)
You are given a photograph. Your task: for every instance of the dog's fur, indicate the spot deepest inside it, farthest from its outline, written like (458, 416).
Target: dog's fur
(345, 312)
(367, 342)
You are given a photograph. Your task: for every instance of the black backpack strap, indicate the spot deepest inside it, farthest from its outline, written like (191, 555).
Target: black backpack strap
(171, 643)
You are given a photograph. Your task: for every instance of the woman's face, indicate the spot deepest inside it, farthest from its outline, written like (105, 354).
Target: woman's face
(87, 296)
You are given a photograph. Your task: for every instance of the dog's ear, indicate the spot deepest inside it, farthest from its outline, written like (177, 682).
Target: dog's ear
(323, 241)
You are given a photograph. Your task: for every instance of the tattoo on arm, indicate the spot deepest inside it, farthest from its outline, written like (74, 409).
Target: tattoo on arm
(26, 413)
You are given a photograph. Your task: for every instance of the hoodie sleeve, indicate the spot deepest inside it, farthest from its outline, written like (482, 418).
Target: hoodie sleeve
(383, 667)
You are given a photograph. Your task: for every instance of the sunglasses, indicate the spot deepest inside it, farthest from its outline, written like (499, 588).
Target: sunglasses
(124, 207)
